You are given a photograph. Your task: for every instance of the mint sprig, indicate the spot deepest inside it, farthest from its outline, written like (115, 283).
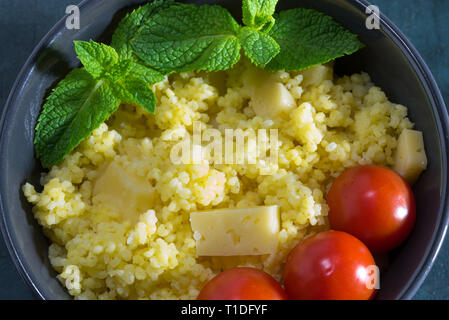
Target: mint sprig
(97, 58)
(258, 14)
(87, 97)
(190, 38)
(164, 36)
(308, 38)
(259, 47)
(125, 77)
(78, 105)
(130, 25)
(187, 37)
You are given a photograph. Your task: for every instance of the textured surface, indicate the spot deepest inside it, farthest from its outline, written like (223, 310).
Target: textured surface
(316, 39)
(77, 106)
(186, 38)
(259, 47)
(257, 13)
(23, 23)
(132, 23)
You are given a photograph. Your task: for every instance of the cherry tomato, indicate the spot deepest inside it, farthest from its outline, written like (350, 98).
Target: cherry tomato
(242, 284)
(330, 265)
(373, 204)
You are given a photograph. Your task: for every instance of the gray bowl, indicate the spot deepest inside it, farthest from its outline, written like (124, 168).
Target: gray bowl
(389, 58)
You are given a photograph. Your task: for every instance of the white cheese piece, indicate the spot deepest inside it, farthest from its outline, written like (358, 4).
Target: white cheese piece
(122, 191)
(237, 231)
(410, 159)
(314, 76)
(269, 97)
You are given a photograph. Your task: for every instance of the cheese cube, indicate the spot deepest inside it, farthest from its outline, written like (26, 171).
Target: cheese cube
(410, 159)
(237, 231)
(314, 76)
(123, 192)
(269, 97)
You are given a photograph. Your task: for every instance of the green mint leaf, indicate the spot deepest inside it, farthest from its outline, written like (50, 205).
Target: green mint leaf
(130, 83)
(97, 58)
(77, 106)
(82, 101)
(131, 67)
(101, 60)
(118, 71)
(259, 47)
(130, 25)
(308, 38)
(135, 91)
(259, 13)
(187, 37)
(127, 30)
(151, 76)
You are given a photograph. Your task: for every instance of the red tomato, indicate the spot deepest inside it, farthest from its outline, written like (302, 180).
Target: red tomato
(330, 265)
(373, 204)
(242, 284)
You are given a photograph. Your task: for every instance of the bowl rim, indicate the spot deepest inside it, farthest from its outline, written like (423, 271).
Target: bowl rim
(388, 27)
(440, 109)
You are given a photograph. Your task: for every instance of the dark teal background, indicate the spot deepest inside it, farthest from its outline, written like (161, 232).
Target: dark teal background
(24, 22)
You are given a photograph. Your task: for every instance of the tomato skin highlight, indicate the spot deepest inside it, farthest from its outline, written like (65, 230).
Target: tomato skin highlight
(242, 284)
(330, 265)
(374, 204)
